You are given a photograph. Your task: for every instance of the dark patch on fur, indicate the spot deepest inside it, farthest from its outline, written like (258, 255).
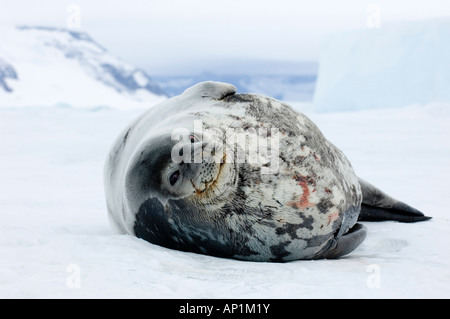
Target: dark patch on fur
(239, 98)
(125, 137)
(189, 232)
(280, 251)
(324, 205)
(288, 228)
(307, 223)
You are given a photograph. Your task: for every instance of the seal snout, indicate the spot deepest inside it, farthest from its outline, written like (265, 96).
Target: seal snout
(202, 168)
(203, 175)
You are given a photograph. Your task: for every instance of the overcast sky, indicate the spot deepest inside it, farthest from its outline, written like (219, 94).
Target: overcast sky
(164, 34)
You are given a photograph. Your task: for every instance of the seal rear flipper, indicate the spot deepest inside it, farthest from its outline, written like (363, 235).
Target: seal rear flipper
(377, 206)
(345, 244)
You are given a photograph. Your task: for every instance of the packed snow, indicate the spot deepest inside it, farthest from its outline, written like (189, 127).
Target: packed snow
(393, 66)
(56, 241)
(64, 99)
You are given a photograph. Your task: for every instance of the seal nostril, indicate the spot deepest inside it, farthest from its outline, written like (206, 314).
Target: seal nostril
(174, 177)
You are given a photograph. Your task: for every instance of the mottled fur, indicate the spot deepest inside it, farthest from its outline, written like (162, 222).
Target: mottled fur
(298, 212)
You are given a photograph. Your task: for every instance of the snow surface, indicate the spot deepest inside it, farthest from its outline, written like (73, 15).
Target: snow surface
(44, 66)
(393, 66)
(54, 227)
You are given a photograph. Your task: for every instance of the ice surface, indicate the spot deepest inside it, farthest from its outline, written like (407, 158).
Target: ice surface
(393, 66)
(56, 242)
(51, 66)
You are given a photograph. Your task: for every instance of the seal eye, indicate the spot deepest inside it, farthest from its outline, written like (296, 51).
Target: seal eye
(193, 138)
(174, 177)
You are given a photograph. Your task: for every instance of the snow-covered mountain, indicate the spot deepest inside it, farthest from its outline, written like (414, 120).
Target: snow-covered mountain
(46, 66)
(6, 71)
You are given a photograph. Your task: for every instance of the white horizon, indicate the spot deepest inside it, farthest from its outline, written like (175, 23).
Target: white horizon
(166, 35)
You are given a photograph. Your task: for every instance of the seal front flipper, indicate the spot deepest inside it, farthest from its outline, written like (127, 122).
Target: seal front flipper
(377, 206)
(344, 244)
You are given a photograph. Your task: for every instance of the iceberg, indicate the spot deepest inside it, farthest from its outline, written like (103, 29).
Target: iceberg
(392, 66)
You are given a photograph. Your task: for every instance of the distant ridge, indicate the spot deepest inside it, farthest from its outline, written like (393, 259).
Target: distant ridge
(41, 65)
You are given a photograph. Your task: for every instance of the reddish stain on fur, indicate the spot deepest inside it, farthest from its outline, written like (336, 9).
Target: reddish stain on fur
(333, 216)
(303, 202)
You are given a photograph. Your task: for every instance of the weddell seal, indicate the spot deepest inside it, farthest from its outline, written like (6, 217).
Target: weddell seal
(239, 176)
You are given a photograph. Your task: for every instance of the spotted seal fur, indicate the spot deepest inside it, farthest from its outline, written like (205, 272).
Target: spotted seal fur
(299, 198)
